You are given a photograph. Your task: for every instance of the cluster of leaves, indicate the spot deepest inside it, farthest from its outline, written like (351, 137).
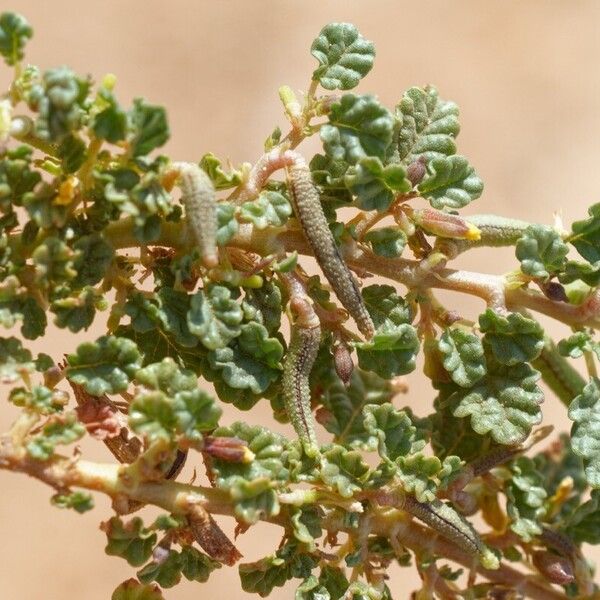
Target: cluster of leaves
(81, 184)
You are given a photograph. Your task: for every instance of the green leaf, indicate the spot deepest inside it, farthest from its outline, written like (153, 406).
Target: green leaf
(196, 566)
(53, 261)
(585, 433)
(574, 270)
(39, 399)
(252, 484)
(111, 123)
(343, 470)
(386, 241)
(166, 572)
(421, 475)
(16, 177)
(214, 316)
(513, 339)
(264, 305)
(393, 430)
(526, 496)
(132, 590)
(428, 125)
(451, 182)
(58, 98)
(505, 403)
(343, 414)
(575, 345)
(463, 356)
(270, 209)
(59, 429)
(14, 33)
(585, 235)
(306, 524)
(169, 402)
(79, 501)
(288, 562)
(375, 185)
(15, 360)
(93, 256)
(76, 312)
(227, 225)
(149, 127)
(541, 252)
(287, 264)
(131, 540)
(358, 127)
(251, 362)
(393, 349)
(105, 366)
(72, 152)
(221, 179)
(583, 523)
(344, 56)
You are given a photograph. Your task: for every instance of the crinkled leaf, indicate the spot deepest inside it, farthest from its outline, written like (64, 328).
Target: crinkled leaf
(583, 523)
(342, 413)
(130, 540)
(251, 362)
(386, 241)
(428, 125)
(586, 272)
(166, 572)
(149, 127)
(53, 261)
(273, 571)
(393, 430)
(270, 209)
(14, 360)
(541, 252)
(513, 339)
(344, 56)
(79, 501)
(585, 235)
(421, 475)
(306, 524)
(16, 177)
(358, 127)
(505, 403)
(375, 185)
(14, 33)
(526, 495)
(343, 470)
(584, 411)
(221, 179)
(214, 316)
(393, 349)
(72, 153)
(76, 312)
(93, 256)
(110, 124)
(227, 225)
(105, 366)
(39, 399)
(450, 182)
(133, 590)
(575, 345)
(59, 429)
(463, 356)
(263, 305)
(197, 566)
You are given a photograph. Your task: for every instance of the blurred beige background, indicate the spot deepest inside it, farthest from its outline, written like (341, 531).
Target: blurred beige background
(525, 75)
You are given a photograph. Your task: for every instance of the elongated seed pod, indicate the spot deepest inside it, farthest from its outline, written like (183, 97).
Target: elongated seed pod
(494, 231)
(199, 198)
(316, 230)
(447, 522)
(297, 365)
(560, 376)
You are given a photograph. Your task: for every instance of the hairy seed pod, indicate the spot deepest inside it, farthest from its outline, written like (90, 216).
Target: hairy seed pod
(447, 522)
(297, 365)
(443, 224)
(343, 362)
(199, 198)
(556, 569)
(316, 230)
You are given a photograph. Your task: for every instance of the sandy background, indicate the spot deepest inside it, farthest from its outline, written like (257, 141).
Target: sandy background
(525, 75)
